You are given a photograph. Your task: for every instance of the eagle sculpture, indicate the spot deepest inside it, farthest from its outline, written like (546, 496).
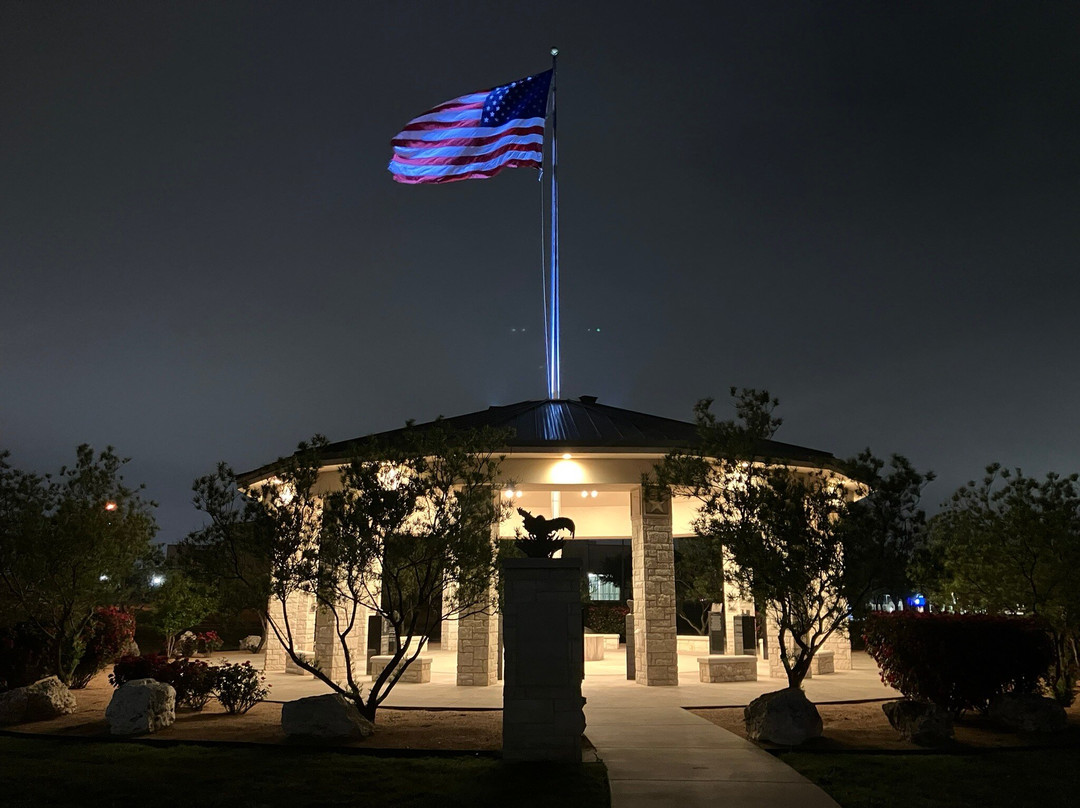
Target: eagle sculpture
(541, 541)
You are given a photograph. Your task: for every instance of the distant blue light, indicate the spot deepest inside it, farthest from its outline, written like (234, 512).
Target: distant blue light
(916, 600)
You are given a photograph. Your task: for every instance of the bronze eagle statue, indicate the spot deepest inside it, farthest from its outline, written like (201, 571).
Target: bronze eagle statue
(541, 541)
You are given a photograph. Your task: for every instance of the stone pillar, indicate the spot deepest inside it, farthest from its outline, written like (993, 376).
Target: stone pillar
(299, 608)
(655, 643)
(545, 660)
(329, 653)
(478, 649)
(840, 644)
(449, 641)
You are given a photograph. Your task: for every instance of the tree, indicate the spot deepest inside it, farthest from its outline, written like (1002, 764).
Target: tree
(70, 544)
(783, 537)
(1011, 545)
(231, 554)
(406, 523)
(180, 604)
(698, 580)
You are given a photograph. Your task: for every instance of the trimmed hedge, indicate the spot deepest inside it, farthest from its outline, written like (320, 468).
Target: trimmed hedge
(958, 661)
(606, 619)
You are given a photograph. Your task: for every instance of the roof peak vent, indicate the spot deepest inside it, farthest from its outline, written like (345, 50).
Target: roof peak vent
(587, 399)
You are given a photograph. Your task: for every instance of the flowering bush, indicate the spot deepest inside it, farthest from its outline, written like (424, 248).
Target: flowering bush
(208, 642)
(239, 687)
(192, 679)
(110, 631)
(958, 661)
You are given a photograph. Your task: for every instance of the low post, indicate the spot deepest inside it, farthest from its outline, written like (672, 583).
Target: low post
(631, 669)
(545, 659)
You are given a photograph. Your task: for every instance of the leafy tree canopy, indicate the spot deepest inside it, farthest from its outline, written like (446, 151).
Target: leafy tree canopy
(393, 530)
(784, 536)
(1011, 544)
(70, 543)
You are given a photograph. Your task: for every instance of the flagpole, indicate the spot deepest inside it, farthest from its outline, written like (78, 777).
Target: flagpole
(554, 365)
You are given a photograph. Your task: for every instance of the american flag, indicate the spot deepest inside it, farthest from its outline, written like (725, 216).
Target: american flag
(475, 136)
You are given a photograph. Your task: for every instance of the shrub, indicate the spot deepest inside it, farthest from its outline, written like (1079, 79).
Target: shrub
(208, 642)
(110, 631)
(192, 679)
(958, 661)
(239, 687)
(24, 656)
(606, 619)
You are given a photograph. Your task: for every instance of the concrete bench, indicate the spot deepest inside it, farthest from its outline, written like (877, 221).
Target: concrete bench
(594, 647)
(727, 669)
(823, 662)
(293, 668)
(418, 673)
(611, 641)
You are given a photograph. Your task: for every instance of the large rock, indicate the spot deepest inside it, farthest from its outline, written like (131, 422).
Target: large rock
(48, 698)
(784, 717)
(919, 722)
(1028, 713)
(141, 706)
(331, 716)
(251, 643)
(13, 707)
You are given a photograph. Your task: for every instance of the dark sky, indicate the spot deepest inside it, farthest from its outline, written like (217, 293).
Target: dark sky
(870, 209)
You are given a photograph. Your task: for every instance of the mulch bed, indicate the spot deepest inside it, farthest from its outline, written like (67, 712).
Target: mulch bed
(863, 727)
(394, 729)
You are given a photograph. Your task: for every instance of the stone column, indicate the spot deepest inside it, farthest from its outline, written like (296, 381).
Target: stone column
(545, 660)
(329, 653)
(655, 643)
(478, 649)
(840, 644)
(449, 640)
(298, 605)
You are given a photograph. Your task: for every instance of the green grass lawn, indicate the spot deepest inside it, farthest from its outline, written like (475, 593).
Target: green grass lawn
(37, 772)
(1048, 778)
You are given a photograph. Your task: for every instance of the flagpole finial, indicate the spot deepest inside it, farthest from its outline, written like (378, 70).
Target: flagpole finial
(554, 51)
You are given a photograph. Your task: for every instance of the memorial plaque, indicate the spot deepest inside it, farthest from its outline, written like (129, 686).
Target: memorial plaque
(717, 633)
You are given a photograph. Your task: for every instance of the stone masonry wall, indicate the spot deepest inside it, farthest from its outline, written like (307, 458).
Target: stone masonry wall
(329, 652)
(478, 649)
(542, 703)
(655, 643)
(302, 624)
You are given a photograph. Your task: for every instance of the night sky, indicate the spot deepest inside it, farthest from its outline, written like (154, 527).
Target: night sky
(870, 209)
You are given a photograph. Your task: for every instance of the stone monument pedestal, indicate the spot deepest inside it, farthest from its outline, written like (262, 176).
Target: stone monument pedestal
(544, 663)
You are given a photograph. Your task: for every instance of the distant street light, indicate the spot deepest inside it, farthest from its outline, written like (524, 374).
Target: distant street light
(110, 505)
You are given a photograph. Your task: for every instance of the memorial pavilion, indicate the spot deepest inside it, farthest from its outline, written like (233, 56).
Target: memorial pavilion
(584, 460)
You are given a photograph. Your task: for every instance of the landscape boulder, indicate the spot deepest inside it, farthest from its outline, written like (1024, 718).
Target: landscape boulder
(251, 643)
(920, 722)
(327, 717)
(48, 698)
(141, 706)
(1027, 712)
(13, 707)
(784, 717)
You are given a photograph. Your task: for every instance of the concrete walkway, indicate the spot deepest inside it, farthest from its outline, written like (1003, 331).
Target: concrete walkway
(657, 753)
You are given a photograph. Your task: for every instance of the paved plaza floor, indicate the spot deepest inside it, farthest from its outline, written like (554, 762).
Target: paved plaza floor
(656, 752)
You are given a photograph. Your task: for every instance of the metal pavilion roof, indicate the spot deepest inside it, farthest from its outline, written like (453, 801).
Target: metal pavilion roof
(581, 424)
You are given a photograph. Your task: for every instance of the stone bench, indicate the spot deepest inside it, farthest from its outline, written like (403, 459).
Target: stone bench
(727, 669)
(594, 647)
(692, 644)
(823, 662)
(418, 673)
(611, 641)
